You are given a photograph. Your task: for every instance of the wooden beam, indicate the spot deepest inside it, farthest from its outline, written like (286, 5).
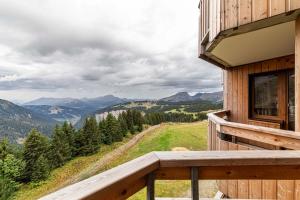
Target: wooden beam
(240, 172)
(297, 75)
(117, 183)
(228, 158)
(127, 179)
(195, 183)
(151, 186)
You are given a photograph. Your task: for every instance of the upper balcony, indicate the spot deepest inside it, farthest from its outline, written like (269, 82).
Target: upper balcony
(237, 32)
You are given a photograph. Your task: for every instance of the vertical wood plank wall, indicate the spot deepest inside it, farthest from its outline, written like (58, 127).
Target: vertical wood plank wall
(227, 14)
(236, 86)
(236, 94)
(251, 189)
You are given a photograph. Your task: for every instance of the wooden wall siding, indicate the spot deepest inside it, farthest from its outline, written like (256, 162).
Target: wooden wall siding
(251, 189)
(294, 4)
(244, 11)
(260, 11)
(243, 185)
(204, 19)
(233, 184)
(227, 14)
(212, 139)
(257, 189)
(277, 7)
(231, 13)
(236, 86)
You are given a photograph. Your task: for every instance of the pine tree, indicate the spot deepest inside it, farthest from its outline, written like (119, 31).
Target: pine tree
(78, 142)
(129, 120)
(113, 128)
(35, 146)
(60, 150)
(11, 167)
(96, 140)
(90, 137)
(138, 120)
(40, 169)
(101, 130)
(107, 135)
(69, 131)
(3, 148)
(123, 124)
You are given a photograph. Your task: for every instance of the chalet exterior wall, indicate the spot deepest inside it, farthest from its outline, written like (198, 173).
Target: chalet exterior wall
(236, 86)
(223, 20)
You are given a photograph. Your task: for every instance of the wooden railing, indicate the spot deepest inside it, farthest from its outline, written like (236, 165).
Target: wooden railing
(224, 136)
(129, 178)
(273, 138)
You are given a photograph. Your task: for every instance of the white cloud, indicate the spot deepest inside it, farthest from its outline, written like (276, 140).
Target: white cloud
(133, 48)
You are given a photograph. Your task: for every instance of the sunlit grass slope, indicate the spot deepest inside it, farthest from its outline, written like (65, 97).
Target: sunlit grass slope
(191, 136)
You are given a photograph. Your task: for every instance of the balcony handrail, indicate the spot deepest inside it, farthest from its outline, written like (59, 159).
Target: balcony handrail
(276, 137)
(129, 178)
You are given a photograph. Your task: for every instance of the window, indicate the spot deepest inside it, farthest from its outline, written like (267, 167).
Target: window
(272, 97)
(265, 95)
(268, 96)
(291, 101)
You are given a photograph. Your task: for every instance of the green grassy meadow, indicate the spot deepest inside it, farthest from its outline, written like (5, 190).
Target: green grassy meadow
(191, 136)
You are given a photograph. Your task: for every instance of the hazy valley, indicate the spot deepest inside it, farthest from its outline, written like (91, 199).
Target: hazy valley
(17, 120)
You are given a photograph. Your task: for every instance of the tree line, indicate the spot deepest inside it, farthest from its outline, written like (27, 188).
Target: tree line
(33, 161)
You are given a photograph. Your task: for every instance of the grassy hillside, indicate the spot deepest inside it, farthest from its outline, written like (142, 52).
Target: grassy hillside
(166, 137)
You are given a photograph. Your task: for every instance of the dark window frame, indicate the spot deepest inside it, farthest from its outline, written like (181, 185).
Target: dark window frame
(282, 95)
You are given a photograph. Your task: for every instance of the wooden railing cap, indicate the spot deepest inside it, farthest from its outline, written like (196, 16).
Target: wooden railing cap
(216, 118)
(113, 181)
(228, 158)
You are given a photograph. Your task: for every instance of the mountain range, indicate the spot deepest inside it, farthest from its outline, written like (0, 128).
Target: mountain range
(85, 104)
(43, 113)
(16, 121)
(184, 96)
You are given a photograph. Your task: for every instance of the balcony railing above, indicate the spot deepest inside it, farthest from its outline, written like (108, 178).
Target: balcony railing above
(129, 178)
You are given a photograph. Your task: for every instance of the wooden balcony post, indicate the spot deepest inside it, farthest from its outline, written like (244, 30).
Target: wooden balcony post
(151, 186)
(297, 75)
(195, 183)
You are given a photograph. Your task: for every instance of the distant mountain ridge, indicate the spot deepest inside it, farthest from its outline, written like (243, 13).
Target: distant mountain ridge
(17, 121)
(85, 104)
(58, 113)
(43, 113)
(71, 109)
(184, 96)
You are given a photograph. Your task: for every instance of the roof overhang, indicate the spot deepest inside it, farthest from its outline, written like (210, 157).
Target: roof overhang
(263, 44)
(253, 42)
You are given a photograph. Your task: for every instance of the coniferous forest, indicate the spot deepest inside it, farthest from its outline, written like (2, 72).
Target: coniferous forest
(33, 161)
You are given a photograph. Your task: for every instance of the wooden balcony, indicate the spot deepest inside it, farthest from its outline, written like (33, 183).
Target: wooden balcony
(223, 19)
(224, 136)
(129, 178)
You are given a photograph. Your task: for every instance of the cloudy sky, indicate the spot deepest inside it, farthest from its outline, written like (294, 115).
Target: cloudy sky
(80, 48)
